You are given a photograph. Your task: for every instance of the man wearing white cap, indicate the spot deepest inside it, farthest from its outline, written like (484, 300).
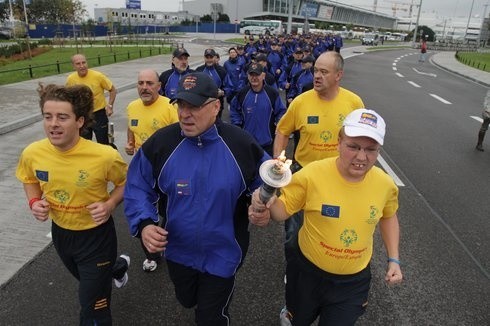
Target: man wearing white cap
(343, 198)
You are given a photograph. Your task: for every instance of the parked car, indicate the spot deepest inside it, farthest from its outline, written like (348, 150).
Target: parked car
(369, 39)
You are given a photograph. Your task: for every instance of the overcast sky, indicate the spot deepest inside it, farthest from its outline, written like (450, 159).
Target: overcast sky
(447, 8)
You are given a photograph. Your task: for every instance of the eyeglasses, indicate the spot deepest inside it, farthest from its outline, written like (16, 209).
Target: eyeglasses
(185, 105)
(355, 149)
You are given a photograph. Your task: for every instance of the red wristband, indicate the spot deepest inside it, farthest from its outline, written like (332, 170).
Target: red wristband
(32, 201)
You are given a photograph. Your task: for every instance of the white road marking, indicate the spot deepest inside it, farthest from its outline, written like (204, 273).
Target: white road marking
(424, 73)
(394, 63)
(413, 84)
(399, 75)
(390, 171)
(394, 68)
(440, 98)
(480, 120)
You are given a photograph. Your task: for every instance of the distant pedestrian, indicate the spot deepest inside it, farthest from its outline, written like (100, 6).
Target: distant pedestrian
(423, 51)
(98, 83)
(66, 178)
(486, 122)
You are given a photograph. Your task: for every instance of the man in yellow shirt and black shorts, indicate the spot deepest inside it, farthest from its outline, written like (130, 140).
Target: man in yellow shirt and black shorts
(65, 178)
(343, 198)
(98, 83)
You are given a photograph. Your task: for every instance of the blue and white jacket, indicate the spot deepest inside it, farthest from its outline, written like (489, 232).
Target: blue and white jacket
(202, 185)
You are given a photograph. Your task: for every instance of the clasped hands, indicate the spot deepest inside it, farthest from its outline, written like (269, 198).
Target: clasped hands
(258, 212)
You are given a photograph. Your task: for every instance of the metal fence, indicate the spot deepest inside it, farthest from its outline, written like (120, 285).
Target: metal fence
(37, 71)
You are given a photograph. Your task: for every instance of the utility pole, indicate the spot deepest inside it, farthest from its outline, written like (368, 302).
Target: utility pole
(290, 16)
(416, 25)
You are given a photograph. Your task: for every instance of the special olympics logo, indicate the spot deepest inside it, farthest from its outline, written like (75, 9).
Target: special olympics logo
(348, 237)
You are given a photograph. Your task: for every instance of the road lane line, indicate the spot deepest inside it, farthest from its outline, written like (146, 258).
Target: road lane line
(394, 68)
(424, 73)
(399, 75)
(440, 98)
(413, 84)
(480, 120)
(390, 171)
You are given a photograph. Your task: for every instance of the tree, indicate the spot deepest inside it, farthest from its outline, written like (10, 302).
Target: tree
(4, 11)
(223, 18)
(427, 32)
(51, 11)
(206, 19)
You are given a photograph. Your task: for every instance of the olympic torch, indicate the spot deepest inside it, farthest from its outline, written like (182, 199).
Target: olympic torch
(276, 174)
(110, 135)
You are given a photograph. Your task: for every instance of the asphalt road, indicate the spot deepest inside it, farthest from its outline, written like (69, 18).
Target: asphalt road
(444, 246)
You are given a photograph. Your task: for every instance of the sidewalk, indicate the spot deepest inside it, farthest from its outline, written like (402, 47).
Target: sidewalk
(447, 61)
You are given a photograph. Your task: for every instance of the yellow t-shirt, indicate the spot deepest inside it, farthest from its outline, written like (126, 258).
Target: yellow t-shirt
(73, 179)
(143, 120)
(318, 122)
(339, 216)
(97, 82)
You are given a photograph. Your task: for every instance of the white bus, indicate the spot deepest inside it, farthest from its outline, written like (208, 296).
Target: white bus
(257, 27)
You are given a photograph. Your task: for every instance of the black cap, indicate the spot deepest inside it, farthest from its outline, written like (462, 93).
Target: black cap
(308, 58)
(261, 57)
(180, 52)
(298, 50)
(255, 68)
(196, 88)
(306, 48)
(210, 52)
(239, 47)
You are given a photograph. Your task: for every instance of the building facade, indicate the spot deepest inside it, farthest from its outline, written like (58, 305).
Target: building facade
(313, 10)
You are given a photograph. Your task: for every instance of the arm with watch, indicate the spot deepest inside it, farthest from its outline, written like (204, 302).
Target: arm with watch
(112, 97)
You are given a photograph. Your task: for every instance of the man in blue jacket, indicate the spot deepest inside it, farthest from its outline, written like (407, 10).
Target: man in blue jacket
(197, 175)
(257, 108)
(171, 77)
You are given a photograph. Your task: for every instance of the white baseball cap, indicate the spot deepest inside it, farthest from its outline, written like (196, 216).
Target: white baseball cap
(367, 123)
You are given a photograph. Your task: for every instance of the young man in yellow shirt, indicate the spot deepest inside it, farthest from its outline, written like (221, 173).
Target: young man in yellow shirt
(65, 178)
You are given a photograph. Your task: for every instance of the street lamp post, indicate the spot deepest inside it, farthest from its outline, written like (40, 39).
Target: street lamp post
(27, 31)
(469, 18)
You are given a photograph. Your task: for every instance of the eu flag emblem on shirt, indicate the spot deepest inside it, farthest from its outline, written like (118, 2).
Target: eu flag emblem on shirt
(331, 210)
(313, 120)
(134, 122)
(42, 175)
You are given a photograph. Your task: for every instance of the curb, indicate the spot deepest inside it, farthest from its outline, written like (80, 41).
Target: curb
(460, 74)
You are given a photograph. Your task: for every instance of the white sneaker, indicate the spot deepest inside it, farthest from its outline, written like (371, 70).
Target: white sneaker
(149, 265)
(119, 283)
(284, 316)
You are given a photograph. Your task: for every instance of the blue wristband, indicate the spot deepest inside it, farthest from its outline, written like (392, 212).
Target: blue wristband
(394, 260)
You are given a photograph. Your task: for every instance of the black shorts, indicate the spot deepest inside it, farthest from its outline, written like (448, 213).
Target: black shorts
(312, 293)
